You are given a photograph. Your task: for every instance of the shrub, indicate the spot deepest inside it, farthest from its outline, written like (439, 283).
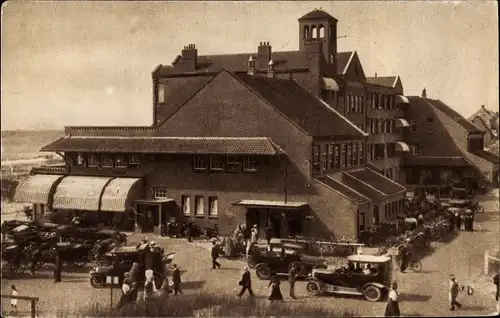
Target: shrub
(211, 306)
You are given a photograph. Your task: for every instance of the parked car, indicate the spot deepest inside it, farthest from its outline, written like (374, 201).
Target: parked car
(279, 257)
(351, 280)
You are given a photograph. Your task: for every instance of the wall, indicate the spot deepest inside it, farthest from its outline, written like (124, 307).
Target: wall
(480, 124)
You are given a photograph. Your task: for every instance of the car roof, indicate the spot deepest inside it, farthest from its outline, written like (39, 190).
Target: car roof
(368, 258)
(125, 249)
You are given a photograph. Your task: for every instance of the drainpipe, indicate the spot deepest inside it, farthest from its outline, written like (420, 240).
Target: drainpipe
(286, 181)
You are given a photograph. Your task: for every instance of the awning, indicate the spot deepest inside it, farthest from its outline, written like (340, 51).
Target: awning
(154, 201)
(36, 188)
(79, 193)
(271, 204)
(118, 194)
(400, 122)
(402, 146)
(330, 84)
(400, 99)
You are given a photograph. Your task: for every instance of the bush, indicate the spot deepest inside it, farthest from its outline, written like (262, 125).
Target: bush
(210, 306)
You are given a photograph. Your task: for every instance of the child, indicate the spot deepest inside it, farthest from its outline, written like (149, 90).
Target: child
(13, 301)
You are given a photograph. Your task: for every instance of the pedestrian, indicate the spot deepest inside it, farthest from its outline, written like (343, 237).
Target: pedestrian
(215, 255)
(274, 283)
(176, 278)
(13, 301)
(392, 307)
(57, 269)
(125, 296)
(453, 293)
(148, 289)
(245, 283)
(269, 231)
(292, 278)
(458, 221)
(165, 288)
(403, 252)
(133, 292)
(35, 256)
(496, 282)
(420, 219)
(255, 233)
(189, 231)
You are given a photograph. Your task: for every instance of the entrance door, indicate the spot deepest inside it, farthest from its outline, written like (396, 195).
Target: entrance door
(252, 218)
(294, 227)
(275, 220)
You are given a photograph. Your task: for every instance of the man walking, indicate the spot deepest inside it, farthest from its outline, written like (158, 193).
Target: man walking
(496, 282)
(245, 283)
(215, 255)
(453, 293)
(292, 278)
(176, 279)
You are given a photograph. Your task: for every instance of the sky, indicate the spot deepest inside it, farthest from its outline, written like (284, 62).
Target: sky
(90, 63)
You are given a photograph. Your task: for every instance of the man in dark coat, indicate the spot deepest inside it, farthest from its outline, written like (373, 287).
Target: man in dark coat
(246, 283)
(176, 279)
(215, 255)
(58, 268)
(496, 282)
(404, 258)
(35, 256)
(189, 231)
(292, 277)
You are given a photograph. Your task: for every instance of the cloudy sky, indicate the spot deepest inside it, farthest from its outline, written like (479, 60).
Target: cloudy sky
(90, 63)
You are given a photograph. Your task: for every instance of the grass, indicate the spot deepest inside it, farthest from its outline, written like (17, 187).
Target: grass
(206, 305)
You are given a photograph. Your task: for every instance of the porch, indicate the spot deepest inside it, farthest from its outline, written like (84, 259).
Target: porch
(152, 214)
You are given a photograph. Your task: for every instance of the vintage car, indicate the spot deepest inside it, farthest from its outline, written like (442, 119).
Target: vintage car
(279, 257)
(121, 260)
(350, 280)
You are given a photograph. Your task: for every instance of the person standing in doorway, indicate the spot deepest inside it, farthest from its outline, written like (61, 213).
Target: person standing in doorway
(269, 231)
(215, 255)
(292, 278)
(453, 293)
(176, 279)
(245, 283)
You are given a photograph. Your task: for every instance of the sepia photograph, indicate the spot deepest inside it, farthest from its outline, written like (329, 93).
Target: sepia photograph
(250, 158)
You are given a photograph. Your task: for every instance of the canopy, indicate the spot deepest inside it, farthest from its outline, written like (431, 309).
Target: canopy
(271, 204)
(400, 122)
(402, 146)
(36, 188)
(79, 193)
(400, 99)
(118, 193)
(330, 84)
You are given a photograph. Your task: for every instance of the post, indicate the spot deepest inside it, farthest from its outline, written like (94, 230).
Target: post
(33, 308)
(486, 262)
(111, 300)
(286, 182)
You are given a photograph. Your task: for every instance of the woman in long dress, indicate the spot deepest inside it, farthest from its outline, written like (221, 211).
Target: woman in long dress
(276, 295)
(392, 308)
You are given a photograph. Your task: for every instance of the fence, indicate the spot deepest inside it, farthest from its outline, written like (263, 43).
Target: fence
(323, 248)
(491, 263)
(33, 301)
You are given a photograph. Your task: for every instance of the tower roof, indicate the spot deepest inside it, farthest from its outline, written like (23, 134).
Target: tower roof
(316, 14)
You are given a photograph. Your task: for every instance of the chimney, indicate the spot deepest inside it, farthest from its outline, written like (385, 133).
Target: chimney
(251, 66)
(189, 58)
(270, 69)
(263, 55)
(424, 93)
(482, 106)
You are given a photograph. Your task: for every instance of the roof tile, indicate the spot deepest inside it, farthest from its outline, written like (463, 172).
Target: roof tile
(377, 181)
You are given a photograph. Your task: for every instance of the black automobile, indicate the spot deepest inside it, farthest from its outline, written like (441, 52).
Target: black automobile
(278, 257)
(364, 275)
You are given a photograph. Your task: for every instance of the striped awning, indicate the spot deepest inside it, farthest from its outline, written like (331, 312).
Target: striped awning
(36, 188)
(400, 122)
(330, 84)
(119, 194)
(79, 193)
(400, 99)
(402, 146)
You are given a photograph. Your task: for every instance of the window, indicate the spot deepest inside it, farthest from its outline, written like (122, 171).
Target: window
(373, 98)
(160, 193)
(213, 203)
(382, 126)
(336, 156)
(323, 164)
(361, 150)
(93, 160)
(186, 205)
(80, 159)
(413, 126)
(120, 162)
(316, 157)
(233, 164)
(354, 155)
(380, 97)
(330, 156)
(414, 149)
(344, 155)
(133, 160)
(249, 164)
(349, 155)
(161, 93)
(324, 95)
(216, 163)
(107, 161)
(200, 162)
(199, 208)
(430, 125)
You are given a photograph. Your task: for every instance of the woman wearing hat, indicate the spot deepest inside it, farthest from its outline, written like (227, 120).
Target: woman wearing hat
(274, 283)
(392, 308)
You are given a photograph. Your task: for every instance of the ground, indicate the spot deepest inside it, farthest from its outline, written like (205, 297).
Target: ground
(422, 293)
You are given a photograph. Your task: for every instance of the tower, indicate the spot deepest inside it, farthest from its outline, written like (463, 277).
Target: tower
(319, 26)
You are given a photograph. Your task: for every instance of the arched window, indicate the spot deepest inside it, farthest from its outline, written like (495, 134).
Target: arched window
(306, 32)
(321, 32)
(314, 32)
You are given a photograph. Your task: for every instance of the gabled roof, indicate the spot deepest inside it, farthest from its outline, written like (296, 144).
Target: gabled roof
(389, 81)
(300, 106)
(454, 115)
(316, 14)
(238, 62)
(343, 189)
(484, 114)
(377, 181)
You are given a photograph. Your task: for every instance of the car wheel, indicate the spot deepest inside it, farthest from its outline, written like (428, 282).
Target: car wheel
(263, 271)
(96, 281)
(313, 288)
(372, 293)
(480, 209)
(251, 263)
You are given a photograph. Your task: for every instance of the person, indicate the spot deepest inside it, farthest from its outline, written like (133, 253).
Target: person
(245, 283)
(292, 278)
(215, 255)
(13, 301)
(125, 296)
(274, 283)
(458, 221)
(189, 231)
(420, 219)
(404, 257)
(367, 270)
(496, 282)
(269, 231)
(176, 278)
(148, 289)
(453, 293)
(392, 307)
(35, 256)
(165, 287)
(133, 292)
(57, 268)
(255, 233)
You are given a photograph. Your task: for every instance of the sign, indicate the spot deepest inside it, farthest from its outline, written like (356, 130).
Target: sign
(112, 280)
